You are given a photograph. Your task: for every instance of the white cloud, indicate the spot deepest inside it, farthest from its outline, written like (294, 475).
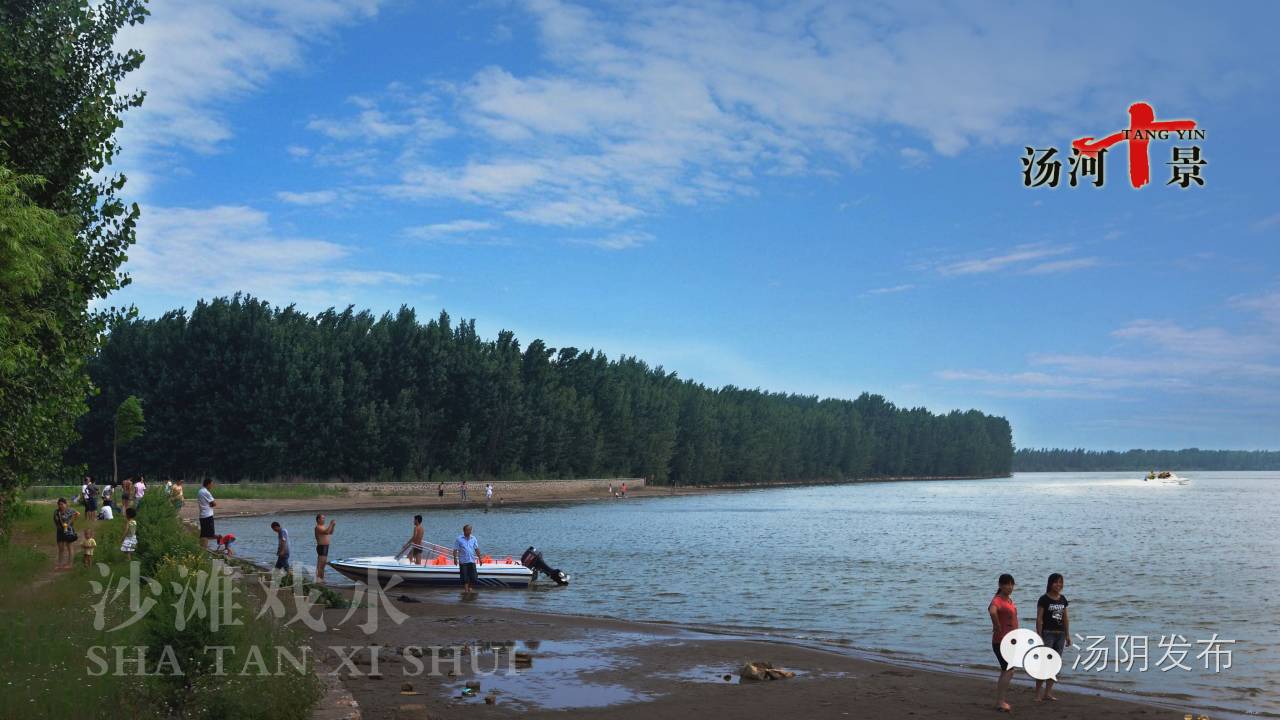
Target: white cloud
(200, 56)
(913, 157)
(1157, 357)
(1061, 266)
(638, 107)
(372, 125)
(1267, 222)
(1019, 258)
(314, 197)
(890, 290)
(449, 230)
(616, 241)
(203, 56)
(192, 252)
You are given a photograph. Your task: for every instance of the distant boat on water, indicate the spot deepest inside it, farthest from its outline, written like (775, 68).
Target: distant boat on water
(1167, 477)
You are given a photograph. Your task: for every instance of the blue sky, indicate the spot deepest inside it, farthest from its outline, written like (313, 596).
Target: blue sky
(814, 198)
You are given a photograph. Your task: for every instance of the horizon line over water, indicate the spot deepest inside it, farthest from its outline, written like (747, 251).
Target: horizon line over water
(1141, 559)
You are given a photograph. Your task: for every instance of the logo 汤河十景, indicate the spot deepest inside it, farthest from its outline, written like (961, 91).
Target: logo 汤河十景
(1042, 167)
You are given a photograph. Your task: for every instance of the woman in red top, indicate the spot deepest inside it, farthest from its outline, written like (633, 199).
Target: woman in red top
(1004, 619)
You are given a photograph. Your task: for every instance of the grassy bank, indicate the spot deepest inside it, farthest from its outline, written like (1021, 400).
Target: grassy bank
(230, 491)
(47, 630)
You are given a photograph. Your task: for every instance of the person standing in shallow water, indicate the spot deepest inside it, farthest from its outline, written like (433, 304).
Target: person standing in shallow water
(283, 550)
(466, 553)
(323, 535)
(1053, 626)
(1004, 620)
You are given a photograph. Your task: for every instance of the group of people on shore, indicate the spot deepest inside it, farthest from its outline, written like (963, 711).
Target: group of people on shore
(466, 553)
(104, 503)
(464, 495)
(1053, 625)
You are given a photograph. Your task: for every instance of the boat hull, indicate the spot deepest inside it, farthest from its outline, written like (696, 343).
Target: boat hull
(383, 571)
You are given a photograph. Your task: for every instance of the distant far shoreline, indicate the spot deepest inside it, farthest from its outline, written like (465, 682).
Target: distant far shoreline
(1189, 459)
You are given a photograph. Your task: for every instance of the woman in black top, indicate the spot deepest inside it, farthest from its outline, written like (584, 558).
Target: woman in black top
(1053, 626)
(64, 519)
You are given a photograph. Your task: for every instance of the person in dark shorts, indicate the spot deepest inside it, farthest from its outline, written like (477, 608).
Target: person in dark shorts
(64, 519)
(323, 535)
(466, 553)
(1004, 620)
(283, 548)
(204, 499)
(91, 491)
(1053, 626)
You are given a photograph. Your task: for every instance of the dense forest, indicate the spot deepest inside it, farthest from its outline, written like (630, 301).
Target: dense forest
(238, 389)
(1060, 460)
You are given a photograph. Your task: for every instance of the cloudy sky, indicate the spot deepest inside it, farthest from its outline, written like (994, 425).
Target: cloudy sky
(821, 198)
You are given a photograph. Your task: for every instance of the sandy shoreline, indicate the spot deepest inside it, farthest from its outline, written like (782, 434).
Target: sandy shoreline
(588, 667)
(584, 667)
(531, 494)
(422, 496)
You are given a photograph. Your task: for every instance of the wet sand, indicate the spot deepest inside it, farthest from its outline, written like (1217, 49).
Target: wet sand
(422, 496)
(361, 498)
(589, 668)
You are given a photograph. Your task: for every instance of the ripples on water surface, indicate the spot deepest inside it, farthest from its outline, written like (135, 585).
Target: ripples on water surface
(905, 567)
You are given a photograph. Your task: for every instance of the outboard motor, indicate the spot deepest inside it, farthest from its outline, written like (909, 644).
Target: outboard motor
(532, 559)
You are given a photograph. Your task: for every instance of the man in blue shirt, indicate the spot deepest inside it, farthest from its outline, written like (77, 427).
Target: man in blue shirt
(466, 553)
(282, 547)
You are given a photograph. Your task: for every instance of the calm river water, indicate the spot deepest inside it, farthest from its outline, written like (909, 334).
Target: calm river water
(907, 568)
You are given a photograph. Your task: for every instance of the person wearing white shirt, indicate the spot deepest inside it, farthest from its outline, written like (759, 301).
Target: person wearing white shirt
(205, 500)
(466, 553)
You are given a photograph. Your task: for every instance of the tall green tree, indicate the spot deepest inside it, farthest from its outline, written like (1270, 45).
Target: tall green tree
(42, 341)
(130, 425)
(241, 390)
(59, 112)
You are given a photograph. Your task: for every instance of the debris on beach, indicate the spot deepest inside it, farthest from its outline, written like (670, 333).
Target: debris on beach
(412, 712)
(490, 699)
(760, 671)
(523, 659)
(473, 686)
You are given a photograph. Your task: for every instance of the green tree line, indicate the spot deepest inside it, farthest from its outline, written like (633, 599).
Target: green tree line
(239, 389)
(64, 227)
(1062, 460)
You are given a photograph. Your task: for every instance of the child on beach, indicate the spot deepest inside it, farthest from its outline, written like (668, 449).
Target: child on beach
(130, 542)
(224, 543)
(89, 546)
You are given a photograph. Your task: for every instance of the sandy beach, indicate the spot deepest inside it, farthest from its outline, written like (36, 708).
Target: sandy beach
(423, 496)
(586, 667)
(589, 667)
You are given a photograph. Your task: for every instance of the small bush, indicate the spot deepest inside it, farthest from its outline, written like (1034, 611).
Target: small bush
(161, 533)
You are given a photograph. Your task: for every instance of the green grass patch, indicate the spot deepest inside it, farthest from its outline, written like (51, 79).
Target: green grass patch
(47, 630)
(50, 492)
(268, 491)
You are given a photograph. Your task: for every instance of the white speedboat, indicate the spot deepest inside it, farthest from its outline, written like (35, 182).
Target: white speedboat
(436, 568)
